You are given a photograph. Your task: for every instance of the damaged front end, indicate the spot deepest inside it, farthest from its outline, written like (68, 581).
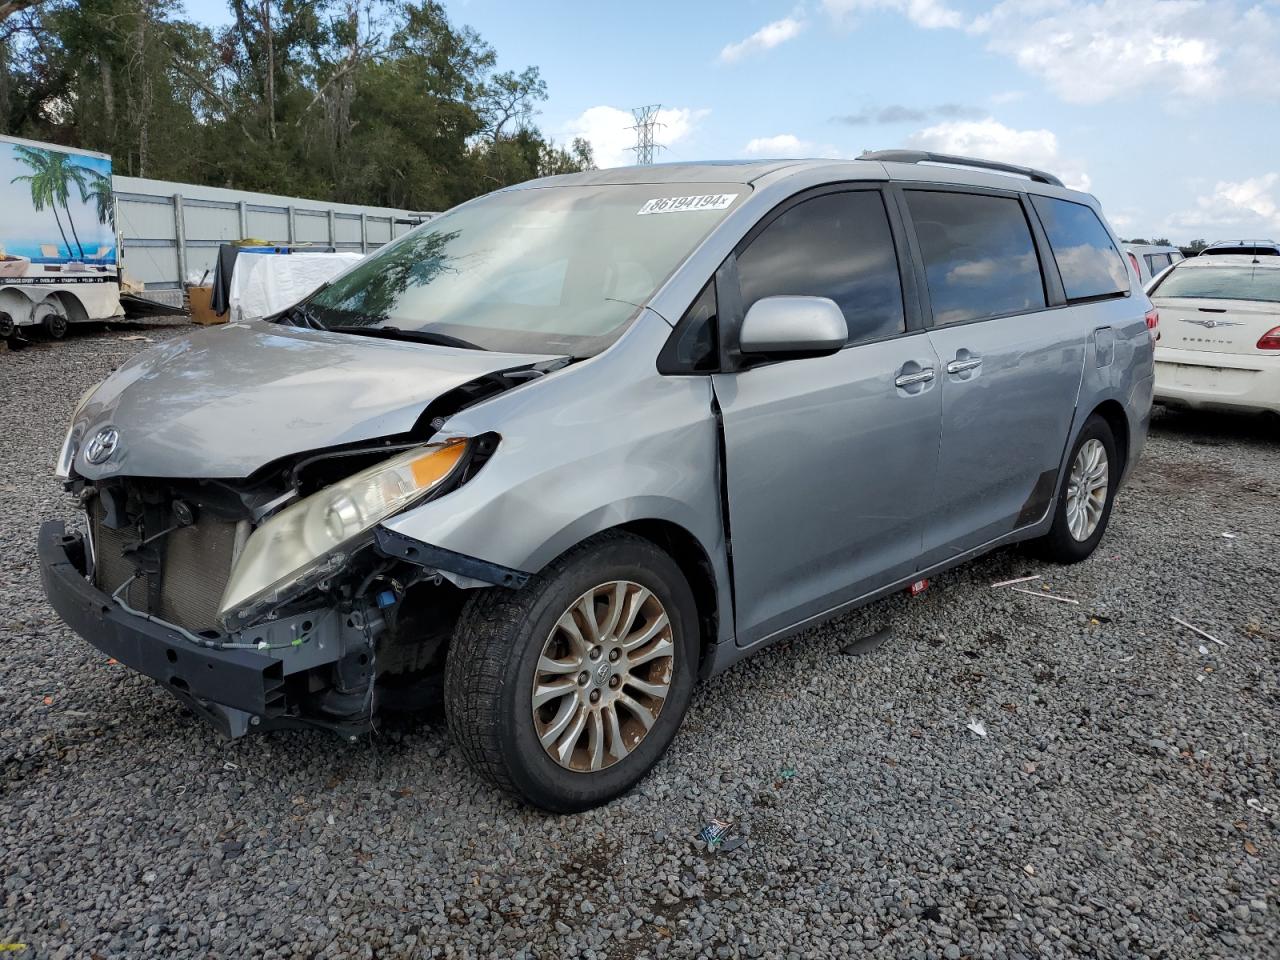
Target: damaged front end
(277, 601)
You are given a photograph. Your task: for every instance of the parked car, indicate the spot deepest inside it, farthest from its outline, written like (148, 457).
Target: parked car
(577, 444)
(1235, 248)
(1219, 344)
(1150, 259)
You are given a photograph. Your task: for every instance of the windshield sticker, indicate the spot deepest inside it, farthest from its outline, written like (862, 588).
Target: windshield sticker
(710, 201)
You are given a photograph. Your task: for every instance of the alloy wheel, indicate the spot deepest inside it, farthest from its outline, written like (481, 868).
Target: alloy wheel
(1087, 489)
(602, 676)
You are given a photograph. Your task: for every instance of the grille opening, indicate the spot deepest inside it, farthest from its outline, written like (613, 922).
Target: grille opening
(194, 570)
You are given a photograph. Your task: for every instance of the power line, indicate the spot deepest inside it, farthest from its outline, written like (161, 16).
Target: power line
(645, 126)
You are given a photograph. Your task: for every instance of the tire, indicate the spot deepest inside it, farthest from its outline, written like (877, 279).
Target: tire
(1061, 544)
(7, 326)
(54, 326)
(498, 647)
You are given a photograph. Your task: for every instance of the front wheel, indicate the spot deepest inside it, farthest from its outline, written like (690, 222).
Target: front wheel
(1085, 500)
(567, 691)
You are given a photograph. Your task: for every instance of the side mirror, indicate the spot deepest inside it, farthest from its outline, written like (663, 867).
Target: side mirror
(793, 325)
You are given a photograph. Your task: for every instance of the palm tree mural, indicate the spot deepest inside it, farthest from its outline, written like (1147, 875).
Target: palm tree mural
(51, 178)
(96, 187)
(42, 181)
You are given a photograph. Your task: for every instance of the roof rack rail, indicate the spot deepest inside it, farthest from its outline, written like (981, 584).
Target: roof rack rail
(924, 156)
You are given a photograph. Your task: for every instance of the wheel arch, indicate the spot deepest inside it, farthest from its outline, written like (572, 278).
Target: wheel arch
(71, 305)
(16, 302)
(1112, 411)
(707, 579)
(694, 562)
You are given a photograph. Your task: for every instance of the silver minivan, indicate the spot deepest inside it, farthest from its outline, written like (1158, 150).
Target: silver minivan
(563, 451)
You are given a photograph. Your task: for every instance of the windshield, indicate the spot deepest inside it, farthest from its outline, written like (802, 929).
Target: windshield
(544, 270)
(1222, 283)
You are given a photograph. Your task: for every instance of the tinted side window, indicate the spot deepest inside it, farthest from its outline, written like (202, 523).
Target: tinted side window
(839, 246)
(979, 258)
(1089, 262)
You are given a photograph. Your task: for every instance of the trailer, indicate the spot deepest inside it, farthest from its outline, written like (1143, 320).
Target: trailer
(58, 262)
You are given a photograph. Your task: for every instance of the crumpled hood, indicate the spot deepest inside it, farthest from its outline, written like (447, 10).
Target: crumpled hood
(224, 401)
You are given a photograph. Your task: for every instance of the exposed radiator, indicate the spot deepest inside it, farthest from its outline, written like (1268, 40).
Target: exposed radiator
(195, 567)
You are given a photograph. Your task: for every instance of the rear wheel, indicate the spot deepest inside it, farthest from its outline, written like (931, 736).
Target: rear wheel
(7, 326)
(567, 691)
(1084, 502)
(55, 326)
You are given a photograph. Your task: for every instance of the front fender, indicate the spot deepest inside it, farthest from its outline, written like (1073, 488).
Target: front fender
(602, 443)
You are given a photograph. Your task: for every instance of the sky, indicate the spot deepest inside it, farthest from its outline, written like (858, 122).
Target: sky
(1167, 110)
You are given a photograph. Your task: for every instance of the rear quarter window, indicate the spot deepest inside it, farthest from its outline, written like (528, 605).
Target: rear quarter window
(1089, 263)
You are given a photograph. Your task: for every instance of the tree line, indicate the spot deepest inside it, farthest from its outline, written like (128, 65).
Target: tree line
(380, 102)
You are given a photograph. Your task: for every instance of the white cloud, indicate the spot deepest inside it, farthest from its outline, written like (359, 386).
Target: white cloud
(1090, 52)
(930, 14)
(766, 38)
(1253, 197)
(991, 140)
(783, 145)
(608, 129)
(1239, 209)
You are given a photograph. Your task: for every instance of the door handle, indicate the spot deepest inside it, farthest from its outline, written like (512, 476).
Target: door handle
(911, 379)
(960, 366)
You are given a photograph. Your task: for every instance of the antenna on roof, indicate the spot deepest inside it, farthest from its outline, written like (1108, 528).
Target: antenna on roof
(645, 125)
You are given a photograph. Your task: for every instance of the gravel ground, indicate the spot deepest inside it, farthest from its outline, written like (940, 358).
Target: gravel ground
(1124, 801)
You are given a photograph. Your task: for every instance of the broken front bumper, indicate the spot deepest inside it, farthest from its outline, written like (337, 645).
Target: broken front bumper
(232, 689)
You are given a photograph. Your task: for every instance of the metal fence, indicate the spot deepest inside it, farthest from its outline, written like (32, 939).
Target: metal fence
(170, 232)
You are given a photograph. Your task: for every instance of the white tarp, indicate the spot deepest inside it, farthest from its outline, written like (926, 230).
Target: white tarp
(266, 283)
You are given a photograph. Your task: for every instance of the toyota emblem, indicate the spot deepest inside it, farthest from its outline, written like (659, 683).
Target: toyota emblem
(102, 446)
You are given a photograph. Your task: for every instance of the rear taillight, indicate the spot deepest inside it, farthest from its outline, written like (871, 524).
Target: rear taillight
(1153, 323)
(1136, 269)
(1270, 340)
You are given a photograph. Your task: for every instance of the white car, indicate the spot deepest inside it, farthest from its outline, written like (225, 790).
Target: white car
(1149, 260)
(1219, 333)
(1252, 248)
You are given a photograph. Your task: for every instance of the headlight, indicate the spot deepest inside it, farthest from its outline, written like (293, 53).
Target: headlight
(67, 455)
(310, 538)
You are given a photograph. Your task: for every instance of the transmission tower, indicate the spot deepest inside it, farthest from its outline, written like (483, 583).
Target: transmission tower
(645, 125)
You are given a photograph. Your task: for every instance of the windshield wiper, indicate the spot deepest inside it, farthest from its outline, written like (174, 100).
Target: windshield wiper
(414, 336)
(303, 317)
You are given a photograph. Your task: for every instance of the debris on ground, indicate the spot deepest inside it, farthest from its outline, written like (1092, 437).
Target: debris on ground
(1046, 595)
(1009, 583)
(732, 844)
(714, 832)
(868, 644)
(977, 726)
(1207, 636)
